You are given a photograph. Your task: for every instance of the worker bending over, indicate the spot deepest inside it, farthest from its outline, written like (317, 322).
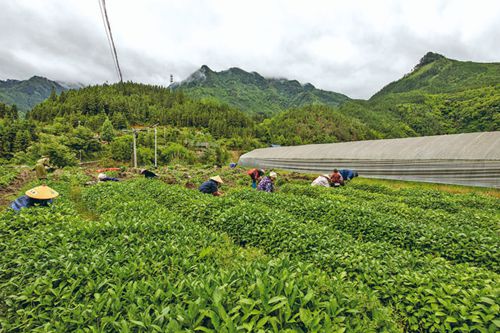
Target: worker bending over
(323, 180)
(38, 196)
(148, 174)
(104, 178)
(348, 174)
(211, 186)
(267, 183)
(256, 175)
(41, 167)
(336, 178)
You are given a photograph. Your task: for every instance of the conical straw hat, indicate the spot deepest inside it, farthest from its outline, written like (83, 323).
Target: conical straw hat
(217, 179)
(42, 192)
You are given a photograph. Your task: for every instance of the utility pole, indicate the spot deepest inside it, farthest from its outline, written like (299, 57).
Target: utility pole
(156, 150)
(135, 149)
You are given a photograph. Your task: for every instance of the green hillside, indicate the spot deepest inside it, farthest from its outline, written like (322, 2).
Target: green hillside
(251, 92)
(439, 96)
(437, 74)
(25, 94)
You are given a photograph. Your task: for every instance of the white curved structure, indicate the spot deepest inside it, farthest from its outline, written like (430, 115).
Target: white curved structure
(465, 159)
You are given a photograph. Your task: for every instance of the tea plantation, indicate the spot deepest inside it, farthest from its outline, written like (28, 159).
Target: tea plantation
(143, 255)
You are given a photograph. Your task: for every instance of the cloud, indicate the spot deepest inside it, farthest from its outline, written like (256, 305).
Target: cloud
(351, 47)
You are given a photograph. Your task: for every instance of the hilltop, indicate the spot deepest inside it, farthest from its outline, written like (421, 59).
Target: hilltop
(25, 94)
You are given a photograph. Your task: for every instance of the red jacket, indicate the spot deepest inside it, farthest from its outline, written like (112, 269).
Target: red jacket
(254, 174)
(337, 178)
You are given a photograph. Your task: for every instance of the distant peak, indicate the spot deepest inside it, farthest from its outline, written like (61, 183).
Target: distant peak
(236, 70)
(37, 77)
(428, 58)
(205, 69)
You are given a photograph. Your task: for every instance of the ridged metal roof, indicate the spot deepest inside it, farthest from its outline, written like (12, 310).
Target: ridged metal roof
(467, 159)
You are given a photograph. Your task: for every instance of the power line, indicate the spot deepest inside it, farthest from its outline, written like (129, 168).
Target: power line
(110, 39)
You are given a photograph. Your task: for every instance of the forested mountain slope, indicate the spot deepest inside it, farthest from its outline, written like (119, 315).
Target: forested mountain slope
(439, 96)
(251, 92)
(25, 94)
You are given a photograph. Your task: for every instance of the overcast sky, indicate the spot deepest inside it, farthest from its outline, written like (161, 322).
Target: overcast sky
(353, 47)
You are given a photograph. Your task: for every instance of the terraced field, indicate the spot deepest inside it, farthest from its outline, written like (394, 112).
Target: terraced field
(143, 255)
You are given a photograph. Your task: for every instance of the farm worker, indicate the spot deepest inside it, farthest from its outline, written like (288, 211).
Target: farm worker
(38, 196)
(348, 174)
(255, 175)
(148, 174)
(336, 178)
(211, 186)
(323, 180)
(267, 183)
(104, 178)
(41, 167)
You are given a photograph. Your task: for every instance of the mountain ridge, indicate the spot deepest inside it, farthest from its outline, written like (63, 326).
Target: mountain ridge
(254, 93)
(25, 94)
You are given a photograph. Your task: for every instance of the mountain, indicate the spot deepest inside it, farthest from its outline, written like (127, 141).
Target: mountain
(436, 74)
(27, 93)
(439, 96)
(251, 92)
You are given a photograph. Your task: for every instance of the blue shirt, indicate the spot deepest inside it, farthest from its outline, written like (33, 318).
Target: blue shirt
(209, 187)
(26, 202)
(347, 174)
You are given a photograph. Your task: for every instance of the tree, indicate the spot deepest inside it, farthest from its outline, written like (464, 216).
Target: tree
(22, 140)
(53, 95)
(107, 131)
(121, 148)
(82, 139)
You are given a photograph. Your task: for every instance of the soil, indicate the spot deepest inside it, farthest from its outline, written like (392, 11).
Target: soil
(9, 193)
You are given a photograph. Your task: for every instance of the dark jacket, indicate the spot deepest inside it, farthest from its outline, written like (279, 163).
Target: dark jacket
(149, 174)
(26, 202)
(348, 174)
(209, 187)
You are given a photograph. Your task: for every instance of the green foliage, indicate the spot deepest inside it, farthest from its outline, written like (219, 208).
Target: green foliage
(121, 148)
(175, 152)
(141, 267)
(83, 139)
(145, 156)
(7, 174)
(443, 96)
(107, 131)
(313, 124)
(252, 93)
(428, 291)
(137, 104)
(15, 135)
(60, 155)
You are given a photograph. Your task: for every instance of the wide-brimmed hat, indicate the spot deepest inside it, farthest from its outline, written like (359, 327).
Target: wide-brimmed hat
(326, 175)
(273, 174)
(42, 192)
(217, 179)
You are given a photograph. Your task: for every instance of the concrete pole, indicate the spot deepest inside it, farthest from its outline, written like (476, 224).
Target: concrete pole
(156, 150)
(135, 149)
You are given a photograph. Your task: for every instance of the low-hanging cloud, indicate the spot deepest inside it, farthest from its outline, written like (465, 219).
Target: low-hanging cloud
(351, 47)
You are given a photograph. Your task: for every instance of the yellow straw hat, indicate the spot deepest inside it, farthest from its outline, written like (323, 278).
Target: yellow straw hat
(42, 192)
(217, 179)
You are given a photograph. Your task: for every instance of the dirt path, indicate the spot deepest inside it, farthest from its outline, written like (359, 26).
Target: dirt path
(8, 193)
